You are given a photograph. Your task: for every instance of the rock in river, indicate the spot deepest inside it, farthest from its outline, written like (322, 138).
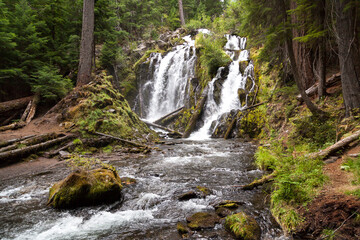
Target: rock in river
(84, 188)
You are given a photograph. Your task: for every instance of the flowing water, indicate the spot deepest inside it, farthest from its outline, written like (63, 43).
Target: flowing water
(150, 208)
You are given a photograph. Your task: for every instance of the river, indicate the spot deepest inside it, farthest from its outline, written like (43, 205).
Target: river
(150, 209)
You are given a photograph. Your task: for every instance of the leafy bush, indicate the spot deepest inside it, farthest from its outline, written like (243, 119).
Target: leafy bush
(49, 84)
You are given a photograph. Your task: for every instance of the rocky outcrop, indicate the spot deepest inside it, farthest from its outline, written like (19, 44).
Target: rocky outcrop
(84, 188)
(243, 226)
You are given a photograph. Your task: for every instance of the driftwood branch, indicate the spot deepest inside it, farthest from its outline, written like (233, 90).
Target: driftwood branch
(163, 128)
(196, 115)
(10, 156)
(122, 140)
(168, 117)
(259, 182)
(337, 146)
(231, 126)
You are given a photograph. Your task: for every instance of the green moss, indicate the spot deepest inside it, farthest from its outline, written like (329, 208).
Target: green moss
(242, 226)
(83, 188)
(105, 110)
(202, 220)
(182, 228)
(146, 56)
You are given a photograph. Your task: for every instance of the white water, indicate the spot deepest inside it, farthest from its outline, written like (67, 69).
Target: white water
(229, 92)
(170, 79)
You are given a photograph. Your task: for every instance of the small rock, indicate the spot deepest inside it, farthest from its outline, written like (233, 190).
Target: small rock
(204, 191)
(128, 181)
(111, 110)
(182, 228)
(64, 155)
(202, 220)
(228, 204)
(187, 196)
(223, 212)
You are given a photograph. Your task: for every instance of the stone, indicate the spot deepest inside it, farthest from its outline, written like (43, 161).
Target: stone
(243, 226)
(187, 196)
(228, 204)
(86, 188)
(202, 220)
(64, 155)
(223, 212)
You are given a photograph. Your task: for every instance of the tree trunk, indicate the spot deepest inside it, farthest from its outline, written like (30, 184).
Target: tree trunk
(181, 13)
(322, 50)
(297, 77)
(349, 54)
(87, 43)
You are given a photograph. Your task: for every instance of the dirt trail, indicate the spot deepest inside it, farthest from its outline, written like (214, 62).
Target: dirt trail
(332, 210)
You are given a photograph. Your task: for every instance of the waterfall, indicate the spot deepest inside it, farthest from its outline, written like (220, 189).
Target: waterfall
(170, 79)
(235, 48)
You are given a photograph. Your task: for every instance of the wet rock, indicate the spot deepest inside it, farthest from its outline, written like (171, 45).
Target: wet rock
(223, 212)
(84, 188)
(228, 204)
(182, 228)
(187, 196)
(243, 226)
(242, 93)
(126, 181)
(223, 124)
(202, 220)
(243, 65)
(203, 191)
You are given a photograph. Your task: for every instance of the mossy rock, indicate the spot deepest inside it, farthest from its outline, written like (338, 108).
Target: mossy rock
(204, 191)
(182, 228)
(85, 188)
(228, 204)
(202, 220)
(243, 226)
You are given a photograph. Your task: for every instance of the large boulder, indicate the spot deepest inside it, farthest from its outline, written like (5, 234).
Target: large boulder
(84, 188)
(243, 226)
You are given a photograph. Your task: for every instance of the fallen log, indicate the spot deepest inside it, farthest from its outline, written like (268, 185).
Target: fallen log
(168, 117)
(122, 140)
(197, 113)
(26, 112)
(258, 182)
(337, 146)
(311, 91)
(12, 141)
(231, 126)
(163, 128)
(14, 104)
(12, 126)
(11, 156)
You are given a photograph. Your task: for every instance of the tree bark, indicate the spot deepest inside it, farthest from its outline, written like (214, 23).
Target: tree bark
(14, 104)
(349, 54)
(169, 117)
(181, 13)
(297, 77)
(87, 43)
(322, 49)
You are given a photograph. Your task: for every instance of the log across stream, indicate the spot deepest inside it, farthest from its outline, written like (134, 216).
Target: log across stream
(150, 208)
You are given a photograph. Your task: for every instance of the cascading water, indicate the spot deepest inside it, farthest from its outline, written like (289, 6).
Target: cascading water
(235, 48)
(169, 83)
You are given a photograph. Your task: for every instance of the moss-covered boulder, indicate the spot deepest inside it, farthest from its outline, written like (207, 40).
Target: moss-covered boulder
(84, 188)
(243, 226)
(202, 220)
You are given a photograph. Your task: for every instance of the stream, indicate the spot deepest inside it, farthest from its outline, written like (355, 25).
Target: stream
(150, 208)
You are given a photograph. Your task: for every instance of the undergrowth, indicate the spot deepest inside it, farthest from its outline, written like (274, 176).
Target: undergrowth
(353, 165)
